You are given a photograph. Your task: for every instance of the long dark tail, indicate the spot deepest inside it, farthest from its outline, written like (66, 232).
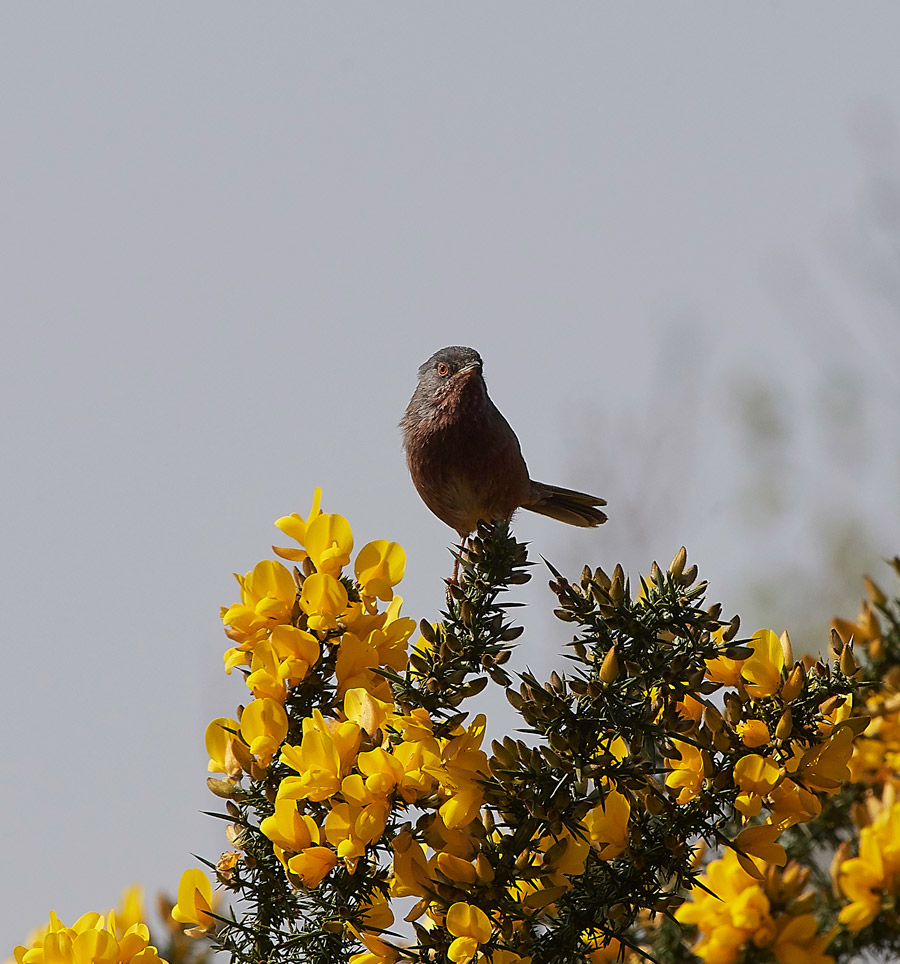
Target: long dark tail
(566, 505)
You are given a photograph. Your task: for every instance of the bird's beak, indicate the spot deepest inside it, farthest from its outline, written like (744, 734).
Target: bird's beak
(467, 370)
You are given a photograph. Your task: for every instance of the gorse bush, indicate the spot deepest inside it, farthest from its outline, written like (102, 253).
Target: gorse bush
(682, 792)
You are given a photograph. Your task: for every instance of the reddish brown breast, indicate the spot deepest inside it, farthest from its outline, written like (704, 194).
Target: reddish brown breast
(465, 460)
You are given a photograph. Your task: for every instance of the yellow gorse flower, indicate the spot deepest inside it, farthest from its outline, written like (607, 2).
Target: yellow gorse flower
(607, 825)
(735, 915)
(121, 938)
(324, 756)
(329, 543)
(220, 736)
(379, 567)
(763, 669)
(687, 773)
(375, 782)
(295, 526)
(195, 901)
(267, 595)
(264, 725)
(470, 927)
(871, 880)
(756, 776)
(753, 733)
(290, 829)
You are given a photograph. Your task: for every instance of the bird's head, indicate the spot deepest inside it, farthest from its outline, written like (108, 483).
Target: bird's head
(447, 375)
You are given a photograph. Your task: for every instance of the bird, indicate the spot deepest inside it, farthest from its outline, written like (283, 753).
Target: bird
(464, 458)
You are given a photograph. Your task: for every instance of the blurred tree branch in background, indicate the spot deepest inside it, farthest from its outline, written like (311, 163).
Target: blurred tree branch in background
(802, 470)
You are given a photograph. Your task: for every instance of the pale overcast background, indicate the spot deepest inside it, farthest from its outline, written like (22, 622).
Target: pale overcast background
(231, 233)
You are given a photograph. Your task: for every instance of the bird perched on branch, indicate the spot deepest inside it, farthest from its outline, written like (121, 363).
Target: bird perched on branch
(465, 460)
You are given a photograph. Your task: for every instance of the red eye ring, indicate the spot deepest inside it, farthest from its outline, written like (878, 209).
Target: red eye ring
(443, 369)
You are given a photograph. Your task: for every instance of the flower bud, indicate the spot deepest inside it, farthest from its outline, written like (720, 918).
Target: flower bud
(785, 725)
(609, 669)
(221, 788)
(837, 644)
(787, 649)
(849, 666)
(793, 685)
(676, 567)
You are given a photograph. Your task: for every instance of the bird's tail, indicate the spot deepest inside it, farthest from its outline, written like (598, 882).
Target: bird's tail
(566, 505)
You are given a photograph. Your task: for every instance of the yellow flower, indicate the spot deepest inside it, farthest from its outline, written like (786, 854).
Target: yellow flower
(510, 957)
(391, 638)
(379, 567)
(220, 737)
(876, 755)
(824, 767)
(571, 863)
(294, 525)
(386, 956)
(791, 804)
(324, 600)
(93, 939)
(418, 760)
(355, 659)
(762, 669)
(404, 771)
(756, 776)
(415, 726)
(461, 872)
(361, 620)
(382, 770)
(455, 840)
(194, 903)
(462, 766)
(376, 917)
(688, 773)
(131, 908)
(377, 951)
(295, 652)
(873, 877)
(86, 941)
(313, 865)
(731, 910)
(324, 756)
(329, 543)
(753, 733)
(605, 949)
(722, 669)
(289, 829)
(691, 708)
(471, 928)
(411, 877)
(607, 825)
(263, 680)
(368, 712)
(798, 941)
(349, 829)
(861, 879)
(267, 597)
(227, 864)
(761, 842)
(462, 807)
(264, 725)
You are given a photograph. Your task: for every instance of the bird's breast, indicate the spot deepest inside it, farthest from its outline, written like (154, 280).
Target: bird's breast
(466, 464)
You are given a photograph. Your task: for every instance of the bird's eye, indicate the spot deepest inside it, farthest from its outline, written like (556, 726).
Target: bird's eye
(443, 369)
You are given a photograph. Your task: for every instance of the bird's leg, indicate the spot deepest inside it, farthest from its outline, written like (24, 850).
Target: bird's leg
(454, 579)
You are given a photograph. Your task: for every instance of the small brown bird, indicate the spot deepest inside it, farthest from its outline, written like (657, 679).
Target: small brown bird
(465, 460)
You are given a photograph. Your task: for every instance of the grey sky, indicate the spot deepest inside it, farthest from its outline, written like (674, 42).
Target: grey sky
(230, 234)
